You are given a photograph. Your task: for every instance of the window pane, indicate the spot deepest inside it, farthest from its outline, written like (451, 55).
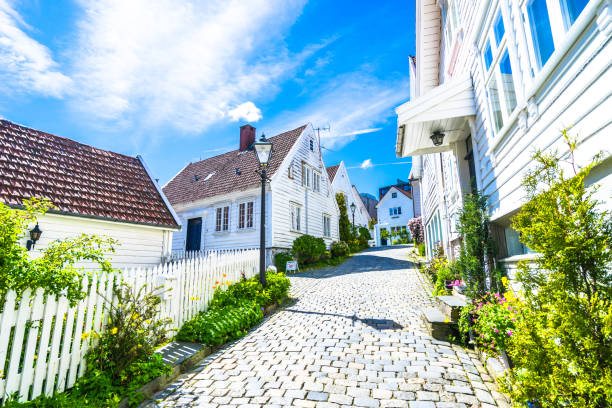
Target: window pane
(495, 105)
(241, 216)
(507, 82)
(250, 215)
(540, 30)
(488, 56)
(572, 9)
(499, 28)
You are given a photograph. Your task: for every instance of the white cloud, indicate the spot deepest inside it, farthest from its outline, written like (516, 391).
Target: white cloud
(189, 64)
(247, 111)
(25, 64)
(351, 105)
(367, 163)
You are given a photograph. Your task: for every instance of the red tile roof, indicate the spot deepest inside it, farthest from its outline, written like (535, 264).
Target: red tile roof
(228, 172)
(404, 192)
(79, 179)
(331, 171)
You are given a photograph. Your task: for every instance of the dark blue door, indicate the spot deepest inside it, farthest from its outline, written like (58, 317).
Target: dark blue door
(194, 234)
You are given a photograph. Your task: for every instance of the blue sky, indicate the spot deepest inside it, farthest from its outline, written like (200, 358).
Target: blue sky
(173, 81)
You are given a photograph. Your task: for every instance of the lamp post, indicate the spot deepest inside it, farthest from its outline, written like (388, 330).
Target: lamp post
(263, 152)
(353, 208)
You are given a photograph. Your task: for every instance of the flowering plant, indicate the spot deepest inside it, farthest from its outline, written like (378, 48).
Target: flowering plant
(495, 317)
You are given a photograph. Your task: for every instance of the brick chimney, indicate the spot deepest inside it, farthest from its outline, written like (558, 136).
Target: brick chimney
(247, 137)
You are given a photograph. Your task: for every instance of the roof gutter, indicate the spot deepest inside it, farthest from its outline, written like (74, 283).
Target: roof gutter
(160, 192)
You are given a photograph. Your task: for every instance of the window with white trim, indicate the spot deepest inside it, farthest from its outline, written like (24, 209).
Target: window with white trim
(395, 211)
(296, 217)
(549, 21)
(311, 145)
(498, 73)
(393, 195)
(326, 225)
(451, 22)
(306, 175)
(316, 181)
(245, 215)
(222, 219)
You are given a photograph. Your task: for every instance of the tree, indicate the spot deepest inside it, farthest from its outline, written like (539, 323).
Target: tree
(415, 226)
(344, 223)
(372, 223)
(561, 349)
(478, 248)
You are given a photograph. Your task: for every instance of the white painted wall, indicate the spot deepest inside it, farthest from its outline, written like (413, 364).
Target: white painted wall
(140, 245)
(342, 184)
(385, 220)
(571, 89)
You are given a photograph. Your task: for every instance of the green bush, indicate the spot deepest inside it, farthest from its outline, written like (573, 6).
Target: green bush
(364, 237)
(354, 246)
(281, 259)
(561, 349)
(444, 272)
(339, 248)
(218, 326)
(478, 248)
(308, 249)
(234, 310)
(421, 249)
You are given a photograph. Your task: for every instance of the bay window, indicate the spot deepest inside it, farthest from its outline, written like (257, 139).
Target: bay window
(549, 21)
(499, 79)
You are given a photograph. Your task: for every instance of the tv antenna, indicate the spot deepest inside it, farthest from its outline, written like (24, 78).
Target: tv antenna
(319, 129)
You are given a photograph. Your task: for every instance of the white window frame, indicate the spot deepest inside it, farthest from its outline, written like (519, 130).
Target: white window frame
(295, 213)
(327, 225)
(559, 25)
(494, 72)
(394, 194)
(225, 212)
(316, 179)
(395, 212)
(245, 222)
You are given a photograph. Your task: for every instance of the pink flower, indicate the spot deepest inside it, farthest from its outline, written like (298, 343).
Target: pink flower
(509, 332)
(513, 319)
(496, 331)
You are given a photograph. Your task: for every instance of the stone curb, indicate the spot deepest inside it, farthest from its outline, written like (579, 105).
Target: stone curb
(159, 383)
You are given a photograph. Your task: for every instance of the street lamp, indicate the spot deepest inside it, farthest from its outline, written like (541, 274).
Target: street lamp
(263, 152)
(353, 208)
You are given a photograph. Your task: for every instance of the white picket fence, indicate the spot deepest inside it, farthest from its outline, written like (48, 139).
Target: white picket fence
(43, 340)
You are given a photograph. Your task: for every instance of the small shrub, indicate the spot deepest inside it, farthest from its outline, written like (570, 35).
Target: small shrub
(444, 272)
(354, 246)
(133, 333)
(364, 237)
(278, 286)
(281, 259)
(218, 326)
(308, 249)
(421, 249)
(339, 248)
(344, 224)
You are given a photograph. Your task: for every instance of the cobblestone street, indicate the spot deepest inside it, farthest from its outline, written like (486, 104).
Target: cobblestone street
(353, 337)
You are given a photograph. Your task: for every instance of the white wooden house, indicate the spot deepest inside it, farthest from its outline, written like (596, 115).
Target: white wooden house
(341, 183)
(218, 199)
(499, 79)
(94, 191)
(394, 211)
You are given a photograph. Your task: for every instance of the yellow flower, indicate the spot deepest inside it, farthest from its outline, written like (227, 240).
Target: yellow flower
(84, 336)
(505, 282)
(446, 320)
(114, 330)
(224, 275)
(148, 321)
(140, 345)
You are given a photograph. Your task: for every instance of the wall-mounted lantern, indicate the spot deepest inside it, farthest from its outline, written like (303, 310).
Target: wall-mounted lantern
(35, 234)
(437, 137)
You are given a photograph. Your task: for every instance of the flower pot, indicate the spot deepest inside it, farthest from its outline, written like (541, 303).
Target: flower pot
(506, 360)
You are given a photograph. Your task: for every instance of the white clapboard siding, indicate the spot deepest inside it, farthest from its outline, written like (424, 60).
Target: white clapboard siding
(44, 339)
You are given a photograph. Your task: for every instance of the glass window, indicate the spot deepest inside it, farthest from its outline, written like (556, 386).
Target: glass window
(327, 226)
(495, 104)
(507, 83)
(222, 219)
(540, 30)
(571, 10)
(311, 145)
(393, 195)
(488, 56)
(296, 215)
(245, 215)
(499, 29)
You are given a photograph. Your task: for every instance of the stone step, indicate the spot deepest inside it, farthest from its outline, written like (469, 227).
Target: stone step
(439, 325)
(451, 306)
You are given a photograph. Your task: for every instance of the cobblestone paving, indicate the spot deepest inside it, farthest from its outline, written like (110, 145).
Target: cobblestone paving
(354, 337)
